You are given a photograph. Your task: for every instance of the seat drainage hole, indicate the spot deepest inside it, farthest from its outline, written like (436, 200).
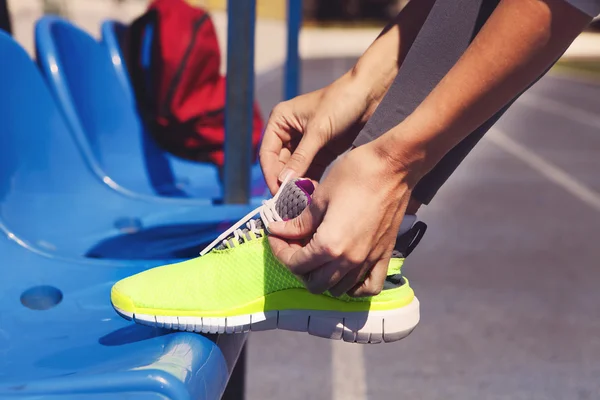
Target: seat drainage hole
(41, 297)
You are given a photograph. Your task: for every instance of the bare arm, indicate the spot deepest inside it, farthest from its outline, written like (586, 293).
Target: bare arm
(520, 41)
(304, 135)
(379, 65)
(376, 69)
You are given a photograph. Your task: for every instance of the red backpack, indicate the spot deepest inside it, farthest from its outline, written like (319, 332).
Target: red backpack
(174, 62)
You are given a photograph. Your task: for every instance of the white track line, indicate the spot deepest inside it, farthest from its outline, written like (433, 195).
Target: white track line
(348, 371)
(550, 171)
(562, 109)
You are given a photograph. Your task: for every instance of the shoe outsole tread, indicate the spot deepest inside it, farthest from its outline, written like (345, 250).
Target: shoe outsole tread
(353, 327)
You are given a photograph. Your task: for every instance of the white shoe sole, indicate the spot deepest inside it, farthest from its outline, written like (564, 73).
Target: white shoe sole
(353, 327)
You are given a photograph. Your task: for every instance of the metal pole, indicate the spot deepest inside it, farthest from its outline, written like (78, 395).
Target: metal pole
(236, 387)
(292, 63)
(240, 97)
(5, 24)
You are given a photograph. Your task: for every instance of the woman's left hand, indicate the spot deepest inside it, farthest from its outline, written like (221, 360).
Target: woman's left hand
(350, 228)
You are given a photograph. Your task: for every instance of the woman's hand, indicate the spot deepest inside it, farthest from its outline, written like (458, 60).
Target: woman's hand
(305, 134)
(350, 227)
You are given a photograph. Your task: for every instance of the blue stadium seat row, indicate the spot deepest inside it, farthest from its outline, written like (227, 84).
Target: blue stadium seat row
(90, 82)
(80, 208)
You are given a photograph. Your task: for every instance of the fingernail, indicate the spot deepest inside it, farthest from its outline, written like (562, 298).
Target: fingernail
(275, 224)
(286, 174)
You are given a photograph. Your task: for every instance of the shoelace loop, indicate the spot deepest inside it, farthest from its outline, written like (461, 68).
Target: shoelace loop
(250, 225)
(267, 213)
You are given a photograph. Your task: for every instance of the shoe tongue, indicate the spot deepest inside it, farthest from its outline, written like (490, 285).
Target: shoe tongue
(293, 198)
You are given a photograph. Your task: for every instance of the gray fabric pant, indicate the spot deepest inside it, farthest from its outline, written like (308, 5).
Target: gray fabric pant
(445, 35)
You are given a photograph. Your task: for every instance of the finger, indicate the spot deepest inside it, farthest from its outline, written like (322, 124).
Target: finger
(350, 280)
(303, 226)
(373, 283)
(275, 185)
(269, 158)
(329, 275)
(282, 249)
(301, 158)
(284, 156)
(300, 260)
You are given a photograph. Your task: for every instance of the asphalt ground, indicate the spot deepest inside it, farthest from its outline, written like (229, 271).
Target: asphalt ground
(508, 273)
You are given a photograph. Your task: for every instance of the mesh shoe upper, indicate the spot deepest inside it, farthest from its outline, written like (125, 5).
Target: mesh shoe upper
(221, 280)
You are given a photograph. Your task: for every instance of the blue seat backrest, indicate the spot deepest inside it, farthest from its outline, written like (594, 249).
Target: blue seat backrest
(113, 37)
(50, 197)
(100, 110)
(46, 189)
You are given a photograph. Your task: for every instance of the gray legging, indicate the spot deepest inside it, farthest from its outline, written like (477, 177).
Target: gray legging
(444, 37)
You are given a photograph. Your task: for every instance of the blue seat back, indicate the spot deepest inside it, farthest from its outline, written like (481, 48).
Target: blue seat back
(113, 36)
(100, 111)
(51, 198)
(43, 178)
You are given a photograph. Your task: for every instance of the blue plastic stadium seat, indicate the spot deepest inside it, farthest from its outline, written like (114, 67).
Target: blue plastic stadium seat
(101, 111)
(52, 200)
(113, 34)
(61, 339)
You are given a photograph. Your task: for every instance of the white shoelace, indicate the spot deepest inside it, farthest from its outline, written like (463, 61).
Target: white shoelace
(267, 213)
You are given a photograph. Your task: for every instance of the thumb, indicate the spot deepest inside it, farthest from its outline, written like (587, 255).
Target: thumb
(303, 226)
(301, 158)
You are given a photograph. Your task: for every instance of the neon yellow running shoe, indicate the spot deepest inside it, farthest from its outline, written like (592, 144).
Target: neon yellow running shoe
(237, 285)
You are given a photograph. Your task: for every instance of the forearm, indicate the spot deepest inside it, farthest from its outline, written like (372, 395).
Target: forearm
(518, 43)
(380, 63)
(376, 69)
